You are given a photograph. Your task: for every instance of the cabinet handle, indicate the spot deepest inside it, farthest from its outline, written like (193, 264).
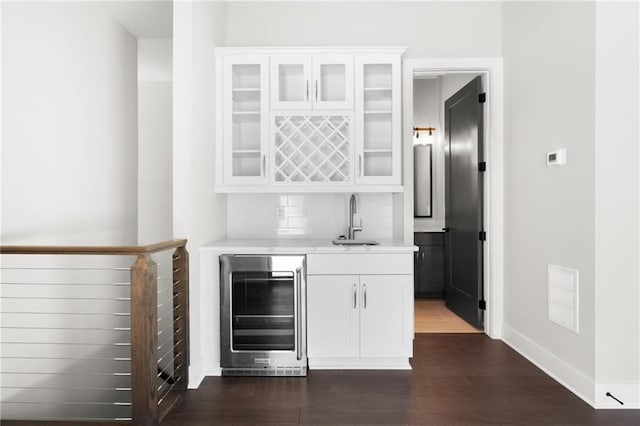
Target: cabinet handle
(316, 90)
(422, 255)
(364, 298)
(307, 98)
(264, 165)
(299, 315)
(359, 165)
(355, 294)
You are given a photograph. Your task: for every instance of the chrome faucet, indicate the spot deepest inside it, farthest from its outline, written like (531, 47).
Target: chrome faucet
(353, 209)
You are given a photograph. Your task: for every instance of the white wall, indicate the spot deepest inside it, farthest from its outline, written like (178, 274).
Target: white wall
(307, 216)
(550, 104)
(155, 103)
(426, 28)
(199, 213)
(69, 163)
(69, 176)
(617, 357)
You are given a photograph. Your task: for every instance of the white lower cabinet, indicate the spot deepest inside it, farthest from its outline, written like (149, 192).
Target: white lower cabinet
(385, 315)
(333, 318)
(359, 321)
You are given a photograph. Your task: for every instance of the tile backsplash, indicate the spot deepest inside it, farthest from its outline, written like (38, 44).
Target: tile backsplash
(252, 216)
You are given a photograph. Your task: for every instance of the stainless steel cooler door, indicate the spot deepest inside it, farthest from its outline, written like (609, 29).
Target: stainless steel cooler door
(262, 311)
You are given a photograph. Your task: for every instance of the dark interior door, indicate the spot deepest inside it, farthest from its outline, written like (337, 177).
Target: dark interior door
(463, 198)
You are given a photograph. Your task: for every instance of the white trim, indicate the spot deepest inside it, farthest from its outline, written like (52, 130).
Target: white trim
(315, 50)
(359, 364)
(565, 374)
(629, 393)
(492, 69)
(306, 188)
(219, 120)
(196, 375)
(357, 1)
(214, 371)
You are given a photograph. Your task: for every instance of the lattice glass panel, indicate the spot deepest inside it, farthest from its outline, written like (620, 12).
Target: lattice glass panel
(312, 148)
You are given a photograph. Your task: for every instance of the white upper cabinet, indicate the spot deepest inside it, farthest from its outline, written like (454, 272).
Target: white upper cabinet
(304, 82)
(333, 82)
(291, 82)
(378, 131)
(246, 119)
(308, 119)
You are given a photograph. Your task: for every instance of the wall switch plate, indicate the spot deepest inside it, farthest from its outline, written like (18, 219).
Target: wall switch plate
(557, 157)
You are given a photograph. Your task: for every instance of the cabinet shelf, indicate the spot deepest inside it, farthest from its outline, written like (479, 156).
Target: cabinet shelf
(381, 112)
(245, 151)
(245, 95)
(246, 116)
(378, 151)
(377, 89)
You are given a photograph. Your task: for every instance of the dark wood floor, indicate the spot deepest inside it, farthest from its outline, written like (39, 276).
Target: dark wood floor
(457, 379)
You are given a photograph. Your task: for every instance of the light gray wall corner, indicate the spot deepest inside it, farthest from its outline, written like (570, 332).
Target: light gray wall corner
(617, 340)
(199, 213)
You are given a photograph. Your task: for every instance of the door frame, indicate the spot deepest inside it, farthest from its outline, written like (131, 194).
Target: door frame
(493, 77)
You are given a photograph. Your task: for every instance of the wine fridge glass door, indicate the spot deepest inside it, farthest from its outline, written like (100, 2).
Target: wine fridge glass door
(263, 311)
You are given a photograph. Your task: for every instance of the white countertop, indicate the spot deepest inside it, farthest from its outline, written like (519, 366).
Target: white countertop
(294, 246)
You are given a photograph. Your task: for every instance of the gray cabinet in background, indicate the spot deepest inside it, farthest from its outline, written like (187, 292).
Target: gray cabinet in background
(429, 265)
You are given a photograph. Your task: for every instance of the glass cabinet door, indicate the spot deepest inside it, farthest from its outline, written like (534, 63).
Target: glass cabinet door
(291, 82)
(246, 115)
(377, 110)
(333, 82)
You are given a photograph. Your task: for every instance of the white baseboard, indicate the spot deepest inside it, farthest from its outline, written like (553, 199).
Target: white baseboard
(196, 375)
(359, 364)
(214, 371)
(565, 374)
(628, 393)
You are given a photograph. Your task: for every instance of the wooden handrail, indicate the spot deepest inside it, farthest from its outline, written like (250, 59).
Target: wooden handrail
(149, 402)
(94, 250)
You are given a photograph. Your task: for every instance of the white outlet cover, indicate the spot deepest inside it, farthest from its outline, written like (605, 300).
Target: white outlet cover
(557, 157)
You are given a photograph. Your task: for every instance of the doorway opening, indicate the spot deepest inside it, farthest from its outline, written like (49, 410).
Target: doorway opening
(453, 203)
(447, 147)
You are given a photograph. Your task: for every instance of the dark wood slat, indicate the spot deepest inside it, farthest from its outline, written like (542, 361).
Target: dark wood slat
(457, 379)
(181, 312)
(169, 401)
(94, 250)
(144, 341)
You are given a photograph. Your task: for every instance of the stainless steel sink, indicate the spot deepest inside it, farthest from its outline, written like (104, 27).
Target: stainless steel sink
(355, 242)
